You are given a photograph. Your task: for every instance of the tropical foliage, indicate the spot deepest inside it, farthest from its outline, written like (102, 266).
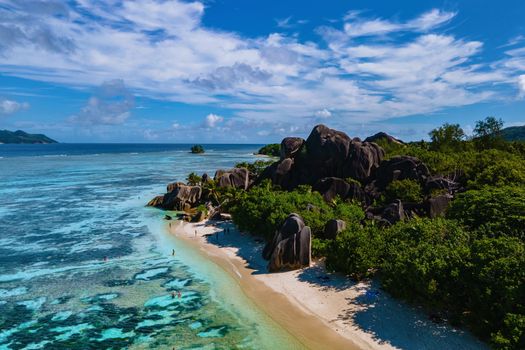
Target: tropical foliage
(467, 268)
(272, 149)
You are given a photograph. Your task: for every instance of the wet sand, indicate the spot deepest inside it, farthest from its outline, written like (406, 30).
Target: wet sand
(322, 310)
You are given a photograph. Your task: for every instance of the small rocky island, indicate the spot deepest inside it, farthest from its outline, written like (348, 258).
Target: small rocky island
(197, 149)
(20, 136)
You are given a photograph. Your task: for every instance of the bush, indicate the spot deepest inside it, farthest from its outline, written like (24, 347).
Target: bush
(320, 247)
(495, 281)
(493, 167)
(256, 167)
(193, 179)
(272, 149)
(263, 209)
(424, 261)
(492, 212)
(356, 251)
(407, 190)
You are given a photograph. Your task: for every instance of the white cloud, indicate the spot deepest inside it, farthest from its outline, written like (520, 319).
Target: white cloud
(425, 22)
(111, 105)
(521, 85)
(212, 120)
(8, 107)
(323, 113)
(289, 22)
(162, 50)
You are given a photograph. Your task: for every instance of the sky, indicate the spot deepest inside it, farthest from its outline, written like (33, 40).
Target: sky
(246, 71)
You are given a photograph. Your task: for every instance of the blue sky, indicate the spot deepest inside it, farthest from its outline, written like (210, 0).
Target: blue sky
(245, 71)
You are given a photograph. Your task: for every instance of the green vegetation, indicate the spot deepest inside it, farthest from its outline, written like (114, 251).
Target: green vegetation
(406, 190)
(256, 167)
(492, 211)
(20, 136)
(197, 149)
(193, 179)
(272, 149)
(357, 251)
(447, 137)
(262, 209)
(467, 268)
(487, 133)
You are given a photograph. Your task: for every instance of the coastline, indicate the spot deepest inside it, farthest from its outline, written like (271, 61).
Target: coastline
(321, 309)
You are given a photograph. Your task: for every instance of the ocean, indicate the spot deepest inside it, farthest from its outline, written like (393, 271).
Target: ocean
(85, 265)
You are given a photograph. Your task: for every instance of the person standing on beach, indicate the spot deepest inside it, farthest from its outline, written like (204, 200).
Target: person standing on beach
(195, 233)
(173, 252)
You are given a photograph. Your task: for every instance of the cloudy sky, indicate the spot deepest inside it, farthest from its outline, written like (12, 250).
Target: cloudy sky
(238, 71)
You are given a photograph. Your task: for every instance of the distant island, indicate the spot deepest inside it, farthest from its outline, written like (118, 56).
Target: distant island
(20, 136)
(514, 133)
(197, 149)
(272, 150)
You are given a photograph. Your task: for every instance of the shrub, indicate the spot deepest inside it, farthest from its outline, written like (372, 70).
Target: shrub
(320, 247)
(495, 281)
(256, 167)
(193, 179)
(407, 190)
(492, 212)
(263, 209)
(424, 260)
(355, 251)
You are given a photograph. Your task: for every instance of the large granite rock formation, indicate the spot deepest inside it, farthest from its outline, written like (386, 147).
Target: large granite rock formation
(291, 246)
(387, 215)
(401, 168)
(384, 136)
(236, 177)
(331, 187)
(443, 183)
(325, 153)
(156, 202)
(179, 197)
(290, 146)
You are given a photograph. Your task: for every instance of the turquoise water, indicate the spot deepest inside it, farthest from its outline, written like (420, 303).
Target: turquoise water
(84, 265)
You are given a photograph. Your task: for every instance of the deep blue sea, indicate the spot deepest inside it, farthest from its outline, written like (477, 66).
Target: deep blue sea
(85, 265)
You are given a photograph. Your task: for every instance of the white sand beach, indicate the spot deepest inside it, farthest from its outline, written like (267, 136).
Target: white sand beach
(324, 310)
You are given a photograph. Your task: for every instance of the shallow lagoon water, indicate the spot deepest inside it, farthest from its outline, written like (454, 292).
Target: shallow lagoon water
(83, 264)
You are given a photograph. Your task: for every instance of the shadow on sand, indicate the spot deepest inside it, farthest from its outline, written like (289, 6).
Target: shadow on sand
(388, 320)
(248, 247)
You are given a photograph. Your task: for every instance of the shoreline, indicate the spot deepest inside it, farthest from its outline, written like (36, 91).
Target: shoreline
(322, 310)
